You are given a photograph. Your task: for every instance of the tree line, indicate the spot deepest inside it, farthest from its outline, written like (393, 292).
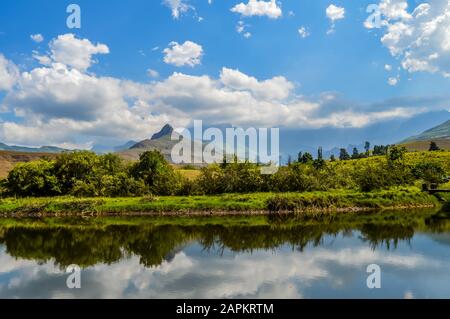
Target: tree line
(85, 174)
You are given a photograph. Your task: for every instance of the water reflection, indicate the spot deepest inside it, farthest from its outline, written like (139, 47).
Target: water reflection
(257, 257)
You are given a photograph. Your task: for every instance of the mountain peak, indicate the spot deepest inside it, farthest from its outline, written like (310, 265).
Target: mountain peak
(165, 131)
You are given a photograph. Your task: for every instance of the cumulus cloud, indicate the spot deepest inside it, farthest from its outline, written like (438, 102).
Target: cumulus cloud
(38, 38)
(277, 88)
(73, 52)
(258, 8)
(189, 53)
(419, 36)
(60, 104)
(9, 73)
(261, 274)
(335, 13)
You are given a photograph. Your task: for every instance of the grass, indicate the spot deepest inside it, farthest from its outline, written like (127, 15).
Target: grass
(425, 145)
(256, 203)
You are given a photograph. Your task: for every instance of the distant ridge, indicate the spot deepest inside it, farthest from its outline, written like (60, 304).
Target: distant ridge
(441, 131)
(42, 149)
(439, 134)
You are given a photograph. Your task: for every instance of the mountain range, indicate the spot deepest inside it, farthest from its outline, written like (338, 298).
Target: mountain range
(294, 141)
(42, 149)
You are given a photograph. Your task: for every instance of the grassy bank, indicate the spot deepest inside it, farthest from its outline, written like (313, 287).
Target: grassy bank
(257, 203)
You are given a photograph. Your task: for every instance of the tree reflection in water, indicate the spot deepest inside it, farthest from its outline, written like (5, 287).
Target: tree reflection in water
(88, 243)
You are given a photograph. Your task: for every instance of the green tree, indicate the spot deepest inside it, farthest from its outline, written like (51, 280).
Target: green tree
(73, 167)
(431, 173)
(320, 153)
(307, 158)
(380, 150)
(343, 154)
(156, 173)
(355, 154)
(433, 147)
(396, 154)
(33, 179)
(367, 148)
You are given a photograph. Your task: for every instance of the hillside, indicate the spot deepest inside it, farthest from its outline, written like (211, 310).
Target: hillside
(42, 149)
(439, 134)
(10, 158)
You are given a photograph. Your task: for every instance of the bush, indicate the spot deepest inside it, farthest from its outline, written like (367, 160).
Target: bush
(431, 173)
(74, 168)
(211, 179)
(156, 173)
(33, 179)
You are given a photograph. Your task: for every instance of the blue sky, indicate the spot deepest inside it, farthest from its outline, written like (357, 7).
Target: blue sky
(344, 72)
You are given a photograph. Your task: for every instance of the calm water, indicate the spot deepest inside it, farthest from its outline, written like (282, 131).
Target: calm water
(258, 257)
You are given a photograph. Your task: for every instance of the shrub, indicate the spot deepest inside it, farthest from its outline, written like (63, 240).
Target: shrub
(431, 173)
(33, 179)
(156, 173)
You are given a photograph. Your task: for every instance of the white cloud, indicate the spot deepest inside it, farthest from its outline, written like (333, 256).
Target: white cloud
(335, 13)
(261, 274)
(244, 100)
(73, 52)
(303, 32)
(189, 53)
(277, 88)
(152, 73)
(38, 38)
(394, 9)
(420, 37)
(9, 73)
(258, 8)
(393, 81)
(62, 105)
(178, 7)
(388, 67)
(42, 59)
(241, 28)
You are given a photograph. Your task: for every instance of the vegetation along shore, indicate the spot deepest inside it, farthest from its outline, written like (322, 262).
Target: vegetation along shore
(85, 183)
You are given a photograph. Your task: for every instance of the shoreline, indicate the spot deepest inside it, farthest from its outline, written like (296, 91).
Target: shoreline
(199, 213)
(256, 204)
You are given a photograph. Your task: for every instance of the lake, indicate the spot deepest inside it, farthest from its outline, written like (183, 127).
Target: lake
(228, 257)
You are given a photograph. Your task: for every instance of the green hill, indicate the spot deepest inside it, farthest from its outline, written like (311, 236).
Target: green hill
(436, 133)
(42, 149)
(439, 134)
